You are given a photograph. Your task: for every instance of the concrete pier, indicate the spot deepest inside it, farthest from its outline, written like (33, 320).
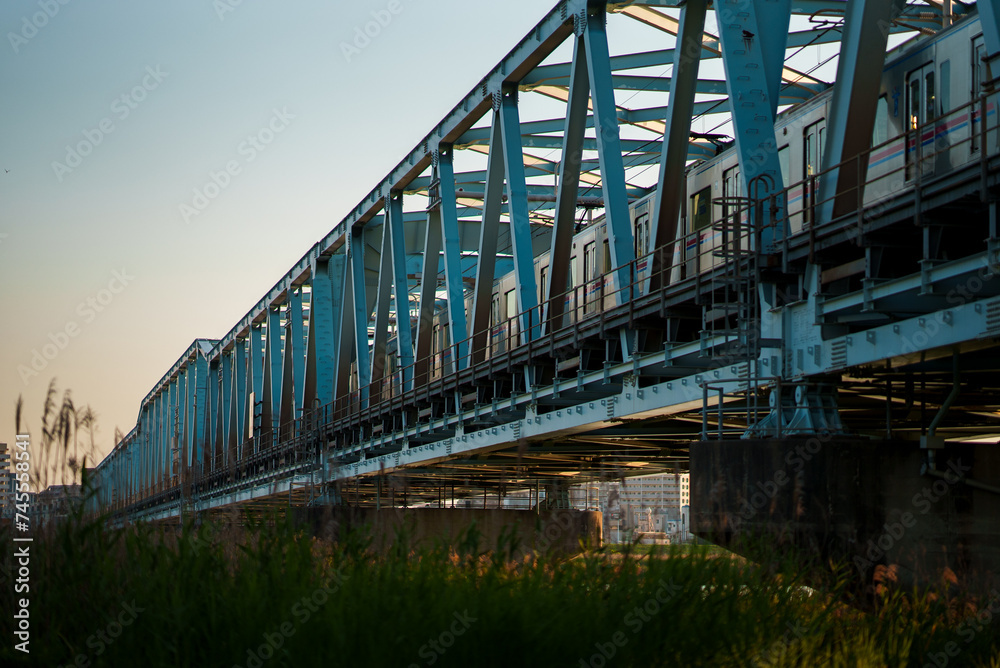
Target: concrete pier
(871, 503)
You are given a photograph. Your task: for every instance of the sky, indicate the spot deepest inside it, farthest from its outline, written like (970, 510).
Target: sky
(169, 161)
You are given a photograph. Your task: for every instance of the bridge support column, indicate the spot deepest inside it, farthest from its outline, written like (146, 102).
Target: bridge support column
(865, 503)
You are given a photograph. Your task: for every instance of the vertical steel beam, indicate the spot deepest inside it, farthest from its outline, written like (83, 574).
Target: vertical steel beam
(379, 360)
(454, 289)
(142, 470)
(359, 316)
(676, 138)
(561, 247)
(286, 411)
(489, 231)
(224, 444)
(404, 328)
(201, 411)
(520, 223)
(256, 377)
(181, 427)
(855, 98)
(168, 425)
(211, 424)
(324, 330)
(272, 371)
(429, 283)
(298, 350)
(189, 407)
(750, 78)
(240, 398)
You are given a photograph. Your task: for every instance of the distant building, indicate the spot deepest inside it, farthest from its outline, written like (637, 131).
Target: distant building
(8, 483)
(653, 504)
(54, 503)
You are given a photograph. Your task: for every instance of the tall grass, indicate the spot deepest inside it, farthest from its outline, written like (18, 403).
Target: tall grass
(211, 596)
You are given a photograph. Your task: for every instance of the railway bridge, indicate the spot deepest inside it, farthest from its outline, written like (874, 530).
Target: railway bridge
(566, 282)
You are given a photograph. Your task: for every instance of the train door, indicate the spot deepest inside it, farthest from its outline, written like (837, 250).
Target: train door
(543, 274)
(510, 313)
(496, 320)
(920, 104)
(979, 77)
(590, 273)
(813, 140)
(641, 235)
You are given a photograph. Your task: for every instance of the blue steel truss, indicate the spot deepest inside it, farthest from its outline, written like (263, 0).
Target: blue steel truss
(330, 378)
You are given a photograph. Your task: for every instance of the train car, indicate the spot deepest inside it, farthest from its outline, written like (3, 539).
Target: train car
(923, 92)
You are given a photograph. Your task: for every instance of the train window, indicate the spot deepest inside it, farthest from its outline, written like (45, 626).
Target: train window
(510, 304)
(880, 133)
(784, 159)
(814, 137)
(641, 236)
(731, 184)
(495, 311)
(920, 106)
(913, 104)
(701, 209)
(979, 77)
(945, 86)
(543, 273)
(812, 160)
(590, 261)
(930, 99)
(572, 271)
(607, 256)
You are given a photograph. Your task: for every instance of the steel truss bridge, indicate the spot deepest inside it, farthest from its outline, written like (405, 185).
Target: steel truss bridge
(323, 392)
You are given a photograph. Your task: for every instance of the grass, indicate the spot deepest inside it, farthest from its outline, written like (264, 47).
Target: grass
(269, 595)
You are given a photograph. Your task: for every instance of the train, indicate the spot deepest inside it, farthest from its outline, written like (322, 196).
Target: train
(929, 84)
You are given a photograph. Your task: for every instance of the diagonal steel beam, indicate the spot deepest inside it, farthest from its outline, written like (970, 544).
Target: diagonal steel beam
(569, 183)
(674, 156)
(616, 211)
(520, 226)
(488, 234)
(429, 281)
(397, 248)
(454, 289)
(852, 109)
